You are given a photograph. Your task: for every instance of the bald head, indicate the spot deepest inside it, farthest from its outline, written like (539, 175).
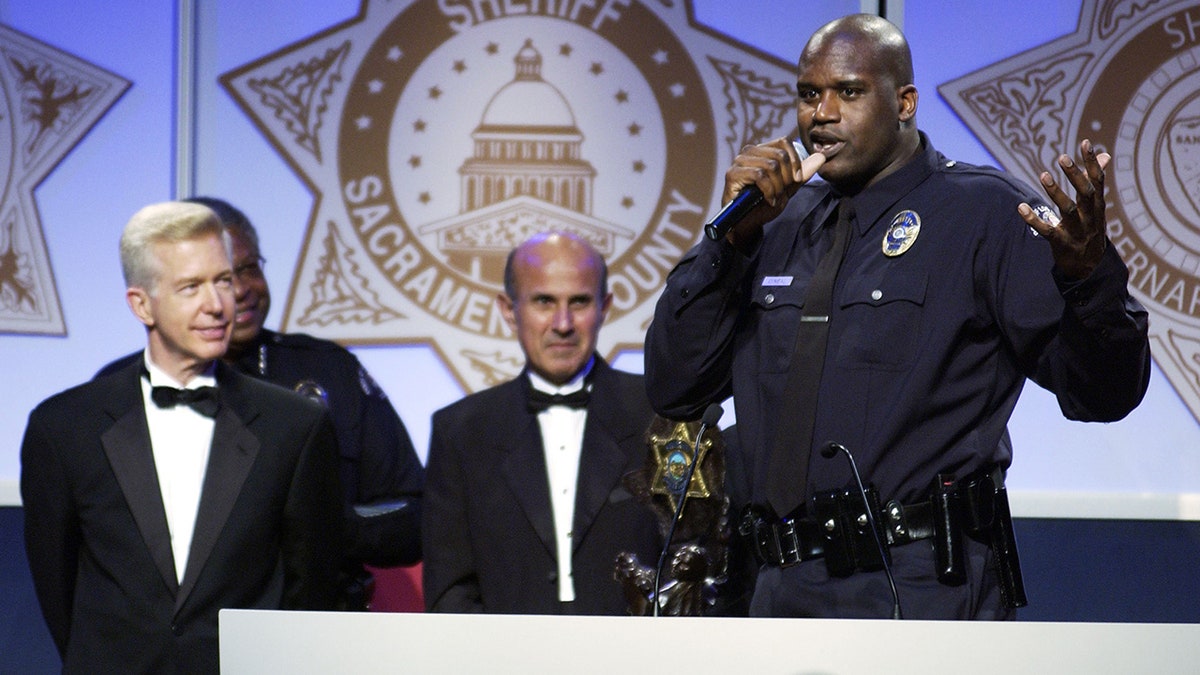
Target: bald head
(555, 298)
(536, 250)
(855, 101)
(879, 42)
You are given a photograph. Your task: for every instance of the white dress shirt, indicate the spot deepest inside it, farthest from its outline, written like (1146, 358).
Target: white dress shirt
(562, 444)
(180, 439)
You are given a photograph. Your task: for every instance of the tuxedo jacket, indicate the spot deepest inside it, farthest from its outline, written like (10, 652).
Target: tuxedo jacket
(267, 533)
(487, 529)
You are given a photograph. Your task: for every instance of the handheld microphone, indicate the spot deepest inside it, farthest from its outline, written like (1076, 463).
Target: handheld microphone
(737, 208)
(828, 452)
(712, 415)
(740, 206)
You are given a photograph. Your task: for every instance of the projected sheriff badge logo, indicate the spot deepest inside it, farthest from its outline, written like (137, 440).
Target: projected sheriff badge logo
(441, 133)
(48, 102)
(1129, 79)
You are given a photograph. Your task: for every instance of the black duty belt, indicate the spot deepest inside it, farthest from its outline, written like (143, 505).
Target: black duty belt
(835, 527)
(838, 530)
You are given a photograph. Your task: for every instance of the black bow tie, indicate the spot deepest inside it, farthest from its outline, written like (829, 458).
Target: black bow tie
(201, 399)
(540, 400)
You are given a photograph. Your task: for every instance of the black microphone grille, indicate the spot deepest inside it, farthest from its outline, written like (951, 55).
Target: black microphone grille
(712, 415)
(831, 449)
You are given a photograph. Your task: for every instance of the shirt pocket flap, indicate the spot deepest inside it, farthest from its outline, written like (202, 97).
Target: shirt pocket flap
(771, 292)
(881, 321)
(863, 290)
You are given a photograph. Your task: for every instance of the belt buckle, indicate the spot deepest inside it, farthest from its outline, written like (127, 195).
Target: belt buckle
(792, 553)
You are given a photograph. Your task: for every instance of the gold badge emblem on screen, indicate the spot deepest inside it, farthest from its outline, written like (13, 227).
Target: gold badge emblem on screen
(1128, 79)
(441, 134)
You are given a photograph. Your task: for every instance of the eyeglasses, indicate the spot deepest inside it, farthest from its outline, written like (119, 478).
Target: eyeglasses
(251, 270)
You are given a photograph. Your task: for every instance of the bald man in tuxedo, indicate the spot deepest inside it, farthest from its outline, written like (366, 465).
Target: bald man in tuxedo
(525, 510)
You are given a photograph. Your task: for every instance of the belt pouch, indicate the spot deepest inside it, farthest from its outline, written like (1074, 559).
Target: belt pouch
(948, 532)
(977, 492)
(839, 554)
(868, 551)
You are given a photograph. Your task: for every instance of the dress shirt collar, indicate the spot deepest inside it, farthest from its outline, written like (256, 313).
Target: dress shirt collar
(159, 377)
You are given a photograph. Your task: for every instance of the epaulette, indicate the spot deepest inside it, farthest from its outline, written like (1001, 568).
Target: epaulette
(302, 341)
(1018, 185)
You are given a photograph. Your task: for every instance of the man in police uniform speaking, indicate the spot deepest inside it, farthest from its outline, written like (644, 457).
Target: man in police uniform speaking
(945, 287)
(382, 477)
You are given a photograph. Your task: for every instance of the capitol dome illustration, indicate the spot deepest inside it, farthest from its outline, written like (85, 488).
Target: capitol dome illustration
(526, 174)
(527, 143)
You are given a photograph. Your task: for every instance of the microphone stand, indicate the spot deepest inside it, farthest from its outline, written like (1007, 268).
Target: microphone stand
(828, 452)
(712, 415)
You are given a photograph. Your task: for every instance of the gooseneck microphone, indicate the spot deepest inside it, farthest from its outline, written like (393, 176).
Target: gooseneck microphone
(828, 452)
(712, 415)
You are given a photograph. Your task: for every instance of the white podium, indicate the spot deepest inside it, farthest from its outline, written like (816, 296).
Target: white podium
(362, 643)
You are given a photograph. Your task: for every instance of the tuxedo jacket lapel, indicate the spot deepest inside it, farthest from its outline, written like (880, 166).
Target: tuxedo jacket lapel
(602, 461)
(524, 464)
(127, 445)
(230, 459)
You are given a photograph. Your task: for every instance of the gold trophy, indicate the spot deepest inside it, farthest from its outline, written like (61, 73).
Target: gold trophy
(693, 567)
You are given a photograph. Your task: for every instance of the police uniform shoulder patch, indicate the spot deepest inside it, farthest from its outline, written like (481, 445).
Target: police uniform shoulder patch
(901, 233)
(1047, 214)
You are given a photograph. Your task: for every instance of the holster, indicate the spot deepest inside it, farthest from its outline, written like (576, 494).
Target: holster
(1004, 547)
(948, 531)
(980, 502)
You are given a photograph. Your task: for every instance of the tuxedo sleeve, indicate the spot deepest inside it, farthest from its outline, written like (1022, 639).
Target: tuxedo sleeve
(313, 523)
(52, 534)
(449, 574)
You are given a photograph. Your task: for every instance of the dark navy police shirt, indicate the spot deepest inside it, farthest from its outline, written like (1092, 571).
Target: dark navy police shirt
(928, 350)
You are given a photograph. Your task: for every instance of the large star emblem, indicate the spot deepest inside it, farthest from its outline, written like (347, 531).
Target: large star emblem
(437, 135)
(1128, 78)
(49, 100)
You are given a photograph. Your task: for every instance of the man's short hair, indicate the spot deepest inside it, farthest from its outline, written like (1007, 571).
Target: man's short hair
(232, 217)
(157, 223)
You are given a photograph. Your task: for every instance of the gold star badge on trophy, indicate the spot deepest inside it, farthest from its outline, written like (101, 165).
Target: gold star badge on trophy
(672, 454)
